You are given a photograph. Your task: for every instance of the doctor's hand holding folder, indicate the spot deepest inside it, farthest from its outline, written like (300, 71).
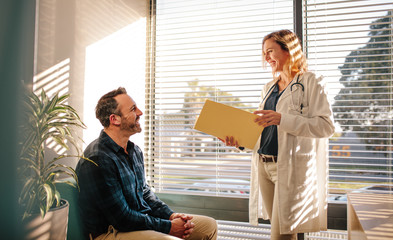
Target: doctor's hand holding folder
(233, 126)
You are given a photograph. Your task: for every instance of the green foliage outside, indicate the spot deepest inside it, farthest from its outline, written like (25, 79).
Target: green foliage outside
(198, 94)
(364, 104)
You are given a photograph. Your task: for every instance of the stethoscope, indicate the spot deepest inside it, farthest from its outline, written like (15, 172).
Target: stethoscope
(300, 98)
(297, 83)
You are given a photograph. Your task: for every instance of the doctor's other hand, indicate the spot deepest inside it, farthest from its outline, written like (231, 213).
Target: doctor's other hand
(267, 118)
(230, 141)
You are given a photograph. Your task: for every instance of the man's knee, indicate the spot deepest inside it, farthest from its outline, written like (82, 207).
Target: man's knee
(205, 228)
(211, 223)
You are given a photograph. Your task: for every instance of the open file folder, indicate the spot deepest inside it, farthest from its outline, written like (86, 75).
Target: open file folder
(221, 120)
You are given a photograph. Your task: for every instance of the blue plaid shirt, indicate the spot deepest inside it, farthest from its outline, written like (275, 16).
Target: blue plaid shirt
(115, 192)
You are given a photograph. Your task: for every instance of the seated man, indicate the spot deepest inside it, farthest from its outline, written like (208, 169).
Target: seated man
(115, 200)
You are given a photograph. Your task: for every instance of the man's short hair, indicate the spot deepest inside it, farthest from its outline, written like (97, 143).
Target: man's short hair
(107, 105)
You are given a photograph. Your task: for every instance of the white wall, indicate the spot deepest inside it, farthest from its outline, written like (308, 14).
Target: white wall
(88, 48)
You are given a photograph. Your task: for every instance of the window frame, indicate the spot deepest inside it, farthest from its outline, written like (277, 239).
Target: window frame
(336, 218)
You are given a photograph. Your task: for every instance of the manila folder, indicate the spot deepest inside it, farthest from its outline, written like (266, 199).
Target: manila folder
(221, 120)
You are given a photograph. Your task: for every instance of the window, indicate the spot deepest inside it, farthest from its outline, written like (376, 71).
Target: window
(212, 50)
(350, 43)
(204, 50)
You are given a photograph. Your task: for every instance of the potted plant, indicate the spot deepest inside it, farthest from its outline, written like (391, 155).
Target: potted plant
(45, 119)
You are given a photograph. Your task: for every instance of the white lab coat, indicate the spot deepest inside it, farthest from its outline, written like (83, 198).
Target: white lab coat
(302, 158)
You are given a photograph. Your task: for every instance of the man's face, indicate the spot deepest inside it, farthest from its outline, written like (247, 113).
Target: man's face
(130, 114)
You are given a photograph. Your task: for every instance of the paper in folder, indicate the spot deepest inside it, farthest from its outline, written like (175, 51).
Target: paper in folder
(221, 120)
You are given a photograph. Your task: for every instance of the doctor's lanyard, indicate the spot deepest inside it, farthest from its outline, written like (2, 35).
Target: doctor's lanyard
(300, 102)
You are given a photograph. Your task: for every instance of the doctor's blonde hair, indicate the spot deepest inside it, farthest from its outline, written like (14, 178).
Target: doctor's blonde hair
(289, 42)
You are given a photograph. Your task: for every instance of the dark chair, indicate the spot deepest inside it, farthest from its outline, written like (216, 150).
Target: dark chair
(69, 193)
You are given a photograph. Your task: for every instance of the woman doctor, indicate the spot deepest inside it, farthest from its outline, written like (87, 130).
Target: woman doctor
(290, 161)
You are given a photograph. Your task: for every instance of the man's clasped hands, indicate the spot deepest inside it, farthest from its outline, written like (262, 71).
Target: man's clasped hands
(182, 226)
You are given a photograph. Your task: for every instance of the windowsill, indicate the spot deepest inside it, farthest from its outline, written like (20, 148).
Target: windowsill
(236, 209)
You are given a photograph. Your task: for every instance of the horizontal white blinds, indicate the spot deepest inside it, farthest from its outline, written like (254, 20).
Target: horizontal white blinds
(212, 50)
(204, 50)
(350, 43)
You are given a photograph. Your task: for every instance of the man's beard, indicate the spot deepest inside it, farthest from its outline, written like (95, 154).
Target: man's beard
(133, 128)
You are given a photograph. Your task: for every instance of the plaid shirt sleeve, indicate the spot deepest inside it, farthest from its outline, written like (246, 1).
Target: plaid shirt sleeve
(159, 208)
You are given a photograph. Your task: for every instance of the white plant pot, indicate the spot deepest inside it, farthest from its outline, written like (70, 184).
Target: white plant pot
(52, 227)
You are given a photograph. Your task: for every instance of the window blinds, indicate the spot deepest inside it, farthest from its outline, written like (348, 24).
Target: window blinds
(204, 50)
(212, 50)
(350, 43)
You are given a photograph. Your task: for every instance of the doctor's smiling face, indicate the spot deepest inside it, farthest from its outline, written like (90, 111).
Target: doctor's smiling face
(274, 55)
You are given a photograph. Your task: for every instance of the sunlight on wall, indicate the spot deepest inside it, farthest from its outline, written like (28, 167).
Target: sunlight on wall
(117, 60)
(55, 79)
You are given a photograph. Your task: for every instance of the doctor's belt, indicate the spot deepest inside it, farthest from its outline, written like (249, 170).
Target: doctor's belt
(267, 158)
